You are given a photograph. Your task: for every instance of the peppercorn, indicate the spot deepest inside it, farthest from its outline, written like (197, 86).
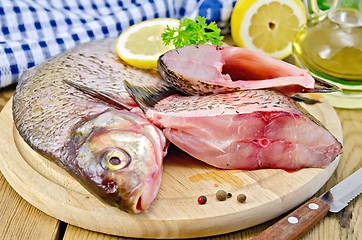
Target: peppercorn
(241, 197)
(202, 199)
(221, 195)
(229, 195)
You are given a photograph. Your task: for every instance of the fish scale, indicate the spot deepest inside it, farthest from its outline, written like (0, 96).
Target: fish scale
(85, 135)
(100, 69)
(231, 103)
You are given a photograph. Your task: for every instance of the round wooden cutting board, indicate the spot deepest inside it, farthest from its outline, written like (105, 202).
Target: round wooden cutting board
(175, 213)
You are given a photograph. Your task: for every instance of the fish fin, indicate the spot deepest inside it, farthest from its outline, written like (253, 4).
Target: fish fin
(316, 121)
(100, 95)
(148, 96)
(306, 100)
(322, 86)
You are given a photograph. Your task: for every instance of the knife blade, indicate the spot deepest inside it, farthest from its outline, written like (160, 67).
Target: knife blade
(301, 220)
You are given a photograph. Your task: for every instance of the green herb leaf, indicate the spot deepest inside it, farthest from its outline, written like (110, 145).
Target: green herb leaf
(192, 32)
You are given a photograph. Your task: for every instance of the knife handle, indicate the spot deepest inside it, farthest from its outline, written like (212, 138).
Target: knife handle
(298, 222)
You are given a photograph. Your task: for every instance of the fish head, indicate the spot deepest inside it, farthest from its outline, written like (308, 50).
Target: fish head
(118, 157)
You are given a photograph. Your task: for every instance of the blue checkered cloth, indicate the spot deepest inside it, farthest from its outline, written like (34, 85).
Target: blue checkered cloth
(35, 30)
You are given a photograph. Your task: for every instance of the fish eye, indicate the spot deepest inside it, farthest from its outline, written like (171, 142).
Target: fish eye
(115, 159)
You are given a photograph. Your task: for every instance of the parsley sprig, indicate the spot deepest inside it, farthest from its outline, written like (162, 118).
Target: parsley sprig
(192, 32)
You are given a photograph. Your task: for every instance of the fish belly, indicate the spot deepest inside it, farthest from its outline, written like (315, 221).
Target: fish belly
(247, 135)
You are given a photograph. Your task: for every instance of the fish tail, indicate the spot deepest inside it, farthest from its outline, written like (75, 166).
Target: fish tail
(148, 96)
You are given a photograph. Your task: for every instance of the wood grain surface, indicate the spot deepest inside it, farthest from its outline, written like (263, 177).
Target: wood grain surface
(20, 220)
(175, 212)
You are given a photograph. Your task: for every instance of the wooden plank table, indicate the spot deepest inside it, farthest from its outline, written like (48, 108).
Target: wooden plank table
(20, 220)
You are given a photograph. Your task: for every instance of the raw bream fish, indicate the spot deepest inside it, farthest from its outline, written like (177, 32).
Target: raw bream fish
(249, 129)
(115, 154)
(204, 69)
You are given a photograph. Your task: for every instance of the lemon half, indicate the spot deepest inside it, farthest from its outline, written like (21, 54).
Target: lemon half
(140, 45)
(267, 26)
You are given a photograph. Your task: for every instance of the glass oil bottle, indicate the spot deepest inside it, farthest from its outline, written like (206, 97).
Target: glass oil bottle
(329, 45)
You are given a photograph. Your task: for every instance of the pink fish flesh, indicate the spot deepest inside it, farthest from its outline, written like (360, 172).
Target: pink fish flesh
(203, 69)
(245, 130)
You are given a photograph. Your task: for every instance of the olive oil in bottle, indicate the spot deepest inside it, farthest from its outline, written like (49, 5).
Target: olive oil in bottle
(330, 49)
(329, 45)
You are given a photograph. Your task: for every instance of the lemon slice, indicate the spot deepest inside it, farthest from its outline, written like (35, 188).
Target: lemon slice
(140, 45)
(267, 26)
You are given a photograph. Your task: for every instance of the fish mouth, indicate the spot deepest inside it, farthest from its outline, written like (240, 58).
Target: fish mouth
(137, 205)
(146, 193)
(141, 202)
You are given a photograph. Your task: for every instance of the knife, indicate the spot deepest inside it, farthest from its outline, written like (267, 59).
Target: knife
(301, 220)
